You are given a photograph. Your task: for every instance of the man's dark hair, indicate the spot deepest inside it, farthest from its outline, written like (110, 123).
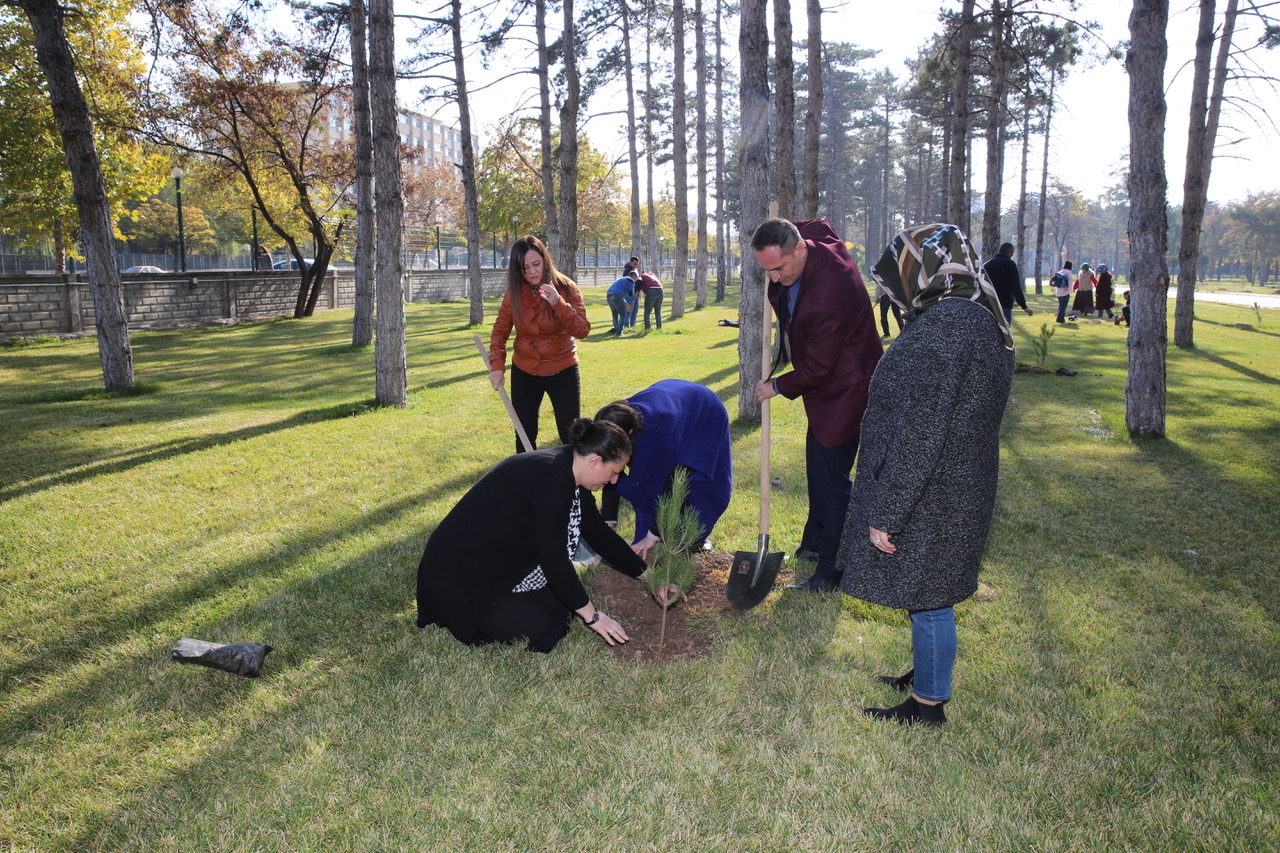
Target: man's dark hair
(1005, 249)
(634, 258)
(1066, 265)
(775, 232)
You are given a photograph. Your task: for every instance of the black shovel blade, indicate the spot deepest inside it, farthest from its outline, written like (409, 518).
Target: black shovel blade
(752, 577)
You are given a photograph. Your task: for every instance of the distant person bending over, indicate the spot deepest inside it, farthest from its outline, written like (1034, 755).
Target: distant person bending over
(497, 568)
(828, 333)
(544, 306)
(1002, 271)
(621, 297)
(653, 293)
(1124, 311)
(672, 424)
(925, 490)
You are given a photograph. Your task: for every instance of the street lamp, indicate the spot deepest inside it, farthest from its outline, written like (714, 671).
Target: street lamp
(176, 172)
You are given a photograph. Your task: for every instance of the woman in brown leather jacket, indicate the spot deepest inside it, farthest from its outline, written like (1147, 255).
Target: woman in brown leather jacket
(544, 306)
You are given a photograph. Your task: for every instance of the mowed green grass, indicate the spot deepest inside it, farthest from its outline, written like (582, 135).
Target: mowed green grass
(1116, 687)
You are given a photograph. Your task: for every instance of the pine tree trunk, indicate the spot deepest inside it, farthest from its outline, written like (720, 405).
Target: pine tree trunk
(470, 196)
(650, 141)
(390, 372)
(1020, 253)
(679, 161)
(1149, 279)
(1201, 135)
(568, 259)
(813, 115)
(722, 235)
(957, 196)
(784, 107)
(992, 199)
(700, 159)
(633, 154)
(1044, 184)
(551, 217)
(362, 323)
(753, 49)
(72, 115)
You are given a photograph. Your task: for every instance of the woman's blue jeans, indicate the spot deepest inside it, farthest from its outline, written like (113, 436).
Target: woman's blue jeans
(933, 648)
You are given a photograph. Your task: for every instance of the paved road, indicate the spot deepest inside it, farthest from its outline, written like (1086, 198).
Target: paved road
(1263, 300)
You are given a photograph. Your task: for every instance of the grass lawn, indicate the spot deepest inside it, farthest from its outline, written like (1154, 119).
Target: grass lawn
(1116, 687)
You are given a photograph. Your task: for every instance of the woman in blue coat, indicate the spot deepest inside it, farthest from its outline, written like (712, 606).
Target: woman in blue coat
(672, 423)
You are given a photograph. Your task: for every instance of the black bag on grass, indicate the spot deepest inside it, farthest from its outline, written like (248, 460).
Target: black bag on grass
(238, 658)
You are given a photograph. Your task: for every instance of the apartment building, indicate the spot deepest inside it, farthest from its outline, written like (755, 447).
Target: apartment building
(424, 133)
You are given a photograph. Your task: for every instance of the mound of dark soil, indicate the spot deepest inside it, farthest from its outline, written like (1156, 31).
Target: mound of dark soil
(631, 604)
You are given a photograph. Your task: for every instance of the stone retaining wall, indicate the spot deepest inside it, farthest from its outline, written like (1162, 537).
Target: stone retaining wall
(34, 305)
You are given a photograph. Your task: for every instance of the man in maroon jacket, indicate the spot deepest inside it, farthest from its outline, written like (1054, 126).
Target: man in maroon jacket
(828, 334)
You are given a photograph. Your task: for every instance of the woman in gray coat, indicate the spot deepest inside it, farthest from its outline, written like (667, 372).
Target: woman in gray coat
(925, 487)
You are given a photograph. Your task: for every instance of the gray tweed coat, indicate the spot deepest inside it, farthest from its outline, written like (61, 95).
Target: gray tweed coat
(929, 456)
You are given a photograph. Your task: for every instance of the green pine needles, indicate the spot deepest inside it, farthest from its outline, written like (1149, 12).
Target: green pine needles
(1041, 344)
(681, 528)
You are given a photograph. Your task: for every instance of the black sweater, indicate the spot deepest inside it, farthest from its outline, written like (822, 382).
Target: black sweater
(515, 518)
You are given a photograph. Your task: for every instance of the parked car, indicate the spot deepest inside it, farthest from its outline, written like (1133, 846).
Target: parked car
(144, 269)
(292, 264)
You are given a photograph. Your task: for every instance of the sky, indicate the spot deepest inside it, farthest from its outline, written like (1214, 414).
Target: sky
(1091, 132)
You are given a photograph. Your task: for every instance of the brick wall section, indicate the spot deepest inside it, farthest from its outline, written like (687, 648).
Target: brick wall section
(34, 305)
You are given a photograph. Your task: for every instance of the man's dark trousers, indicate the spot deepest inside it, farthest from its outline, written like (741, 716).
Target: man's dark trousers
(827, 470)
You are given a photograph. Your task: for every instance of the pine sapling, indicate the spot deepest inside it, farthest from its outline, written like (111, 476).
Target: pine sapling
(672, 562)
(1041, 344)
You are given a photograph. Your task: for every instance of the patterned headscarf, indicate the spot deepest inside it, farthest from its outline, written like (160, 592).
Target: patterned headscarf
(930, 262)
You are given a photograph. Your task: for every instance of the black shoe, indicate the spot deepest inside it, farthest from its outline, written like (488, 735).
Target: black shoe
(902, 682)
(813, 585)
(910, 713)
(803, 553)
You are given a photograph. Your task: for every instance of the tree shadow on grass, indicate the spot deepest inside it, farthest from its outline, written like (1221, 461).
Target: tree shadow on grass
(1236, 366)
(143, 456)
(87, 632)
(1251, 330)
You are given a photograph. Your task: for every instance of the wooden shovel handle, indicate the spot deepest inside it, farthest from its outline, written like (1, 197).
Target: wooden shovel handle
(506, 401)
(766, 350)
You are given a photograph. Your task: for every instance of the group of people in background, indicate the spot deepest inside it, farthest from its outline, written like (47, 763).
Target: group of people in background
(907, 531)
(1094, 293)
(625, 294)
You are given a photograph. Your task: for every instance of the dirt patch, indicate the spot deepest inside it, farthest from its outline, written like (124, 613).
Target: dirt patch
(687, 635)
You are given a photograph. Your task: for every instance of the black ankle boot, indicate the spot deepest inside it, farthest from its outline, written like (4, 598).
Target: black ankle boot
(902, 682)
(910, 712)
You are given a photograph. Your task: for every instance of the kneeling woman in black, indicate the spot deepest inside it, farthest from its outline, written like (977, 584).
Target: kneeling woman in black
(497, 568)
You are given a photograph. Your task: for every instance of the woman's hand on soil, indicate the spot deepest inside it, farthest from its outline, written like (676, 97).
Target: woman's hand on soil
(606, 626)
